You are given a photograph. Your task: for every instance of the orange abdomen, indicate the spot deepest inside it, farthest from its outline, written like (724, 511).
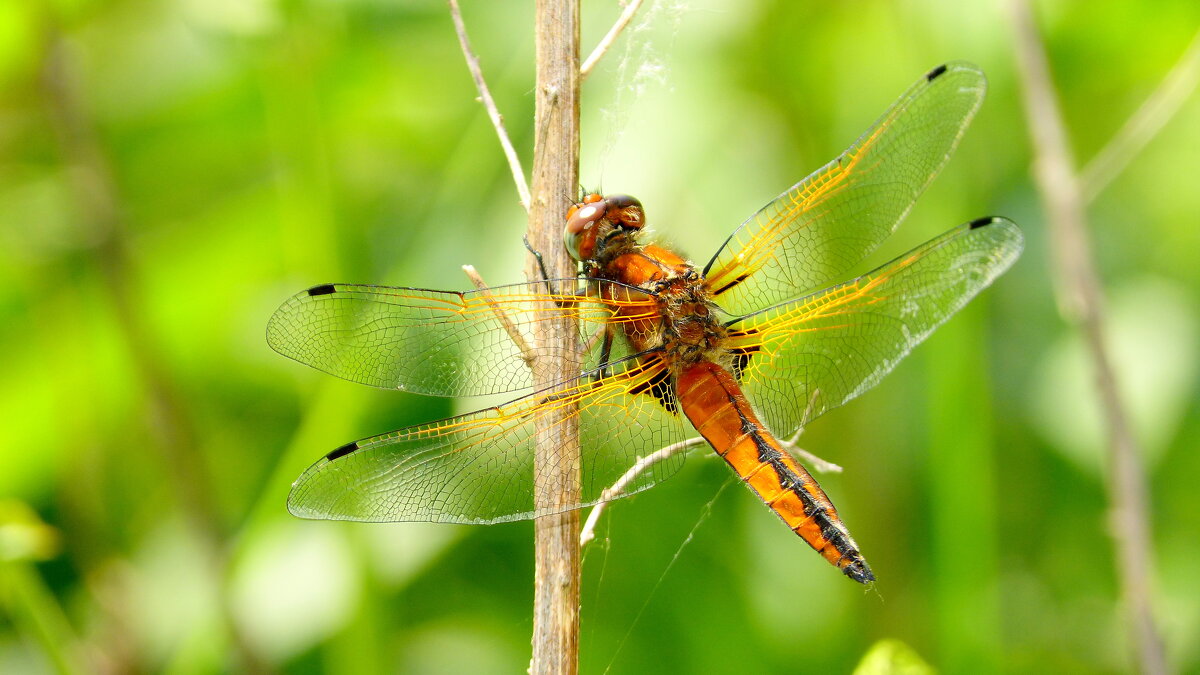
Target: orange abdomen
(713, 402)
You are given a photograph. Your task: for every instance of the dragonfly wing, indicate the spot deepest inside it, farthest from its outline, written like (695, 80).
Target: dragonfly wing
(439, 343)
(834, 218)
(478, 467)
(814, 354)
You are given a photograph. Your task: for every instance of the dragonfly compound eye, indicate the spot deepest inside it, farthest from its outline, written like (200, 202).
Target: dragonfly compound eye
(625, 211)
(579, 235)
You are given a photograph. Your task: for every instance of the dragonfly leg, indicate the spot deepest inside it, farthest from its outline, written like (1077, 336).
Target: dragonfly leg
(605, 354)
(541, 264)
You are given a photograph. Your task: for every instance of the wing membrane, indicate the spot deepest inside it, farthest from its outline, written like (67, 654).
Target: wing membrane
(834, 218)
(440, 343)
(478, 468)
(823, 350)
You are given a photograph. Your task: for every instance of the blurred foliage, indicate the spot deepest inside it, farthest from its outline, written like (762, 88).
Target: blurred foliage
(171, 170)
(892, 657)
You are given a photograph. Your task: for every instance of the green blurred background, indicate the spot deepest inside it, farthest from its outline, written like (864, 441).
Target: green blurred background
(171, 170)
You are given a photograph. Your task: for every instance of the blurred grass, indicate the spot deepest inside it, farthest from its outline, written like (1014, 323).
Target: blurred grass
(256, 148)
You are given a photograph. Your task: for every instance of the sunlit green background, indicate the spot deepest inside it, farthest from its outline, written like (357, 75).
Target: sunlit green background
(171, 170)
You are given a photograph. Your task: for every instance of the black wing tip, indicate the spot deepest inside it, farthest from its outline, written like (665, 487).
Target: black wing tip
(936, 72)
(342, 451)
(323, 289)
(982, 222)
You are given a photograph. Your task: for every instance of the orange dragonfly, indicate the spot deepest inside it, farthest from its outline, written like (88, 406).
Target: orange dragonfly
(744, 348)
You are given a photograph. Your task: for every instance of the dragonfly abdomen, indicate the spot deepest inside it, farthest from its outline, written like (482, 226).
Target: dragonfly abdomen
(713, 402)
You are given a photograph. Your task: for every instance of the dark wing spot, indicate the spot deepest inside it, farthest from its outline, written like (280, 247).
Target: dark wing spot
(980, 222)
(741, 360)
(323, 289)
(342, 451)
(661, 388)
(935, 72)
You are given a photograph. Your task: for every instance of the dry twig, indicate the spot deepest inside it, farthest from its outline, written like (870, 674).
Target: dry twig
(556, 447)
(485, 96)
(1145, 124)
(1082, 299)
(618, 488)
(818, 464)
(557, 466)
(609, 38)
(594, 339)
(527, 353)
(643, 463)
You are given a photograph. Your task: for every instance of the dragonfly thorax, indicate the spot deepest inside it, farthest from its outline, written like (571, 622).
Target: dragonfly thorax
(691, 332)
(603, 232)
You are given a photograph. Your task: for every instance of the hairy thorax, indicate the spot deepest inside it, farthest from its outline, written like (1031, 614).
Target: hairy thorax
(687, 326)
(691, 331)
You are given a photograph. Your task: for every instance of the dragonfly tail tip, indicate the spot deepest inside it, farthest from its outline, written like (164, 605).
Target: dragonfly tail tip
(859, 571)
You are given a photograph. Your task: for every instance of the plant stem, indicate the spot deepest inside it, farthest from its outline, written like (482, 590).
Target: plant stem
(1081, 299)
(556, 455)
(35, 612)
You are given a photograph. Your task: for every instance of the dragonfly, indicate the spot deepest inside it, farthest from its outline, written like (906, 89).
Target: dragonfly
(745, 350)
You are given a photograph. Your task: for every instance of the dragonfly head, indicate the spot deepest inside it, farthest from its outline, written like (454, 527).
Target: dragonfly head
(593, 220)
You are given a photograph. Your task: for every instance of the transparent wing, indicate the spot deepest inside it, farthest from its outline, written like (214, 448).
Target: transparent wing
(834, 218)
(818, 352)
(478, 468)
(443, 343)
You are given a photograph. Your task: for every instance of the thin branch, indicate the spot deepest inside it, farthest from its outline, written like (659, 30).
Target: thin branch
(557, 466)
(1144, 125)
(643, 463)
(818, 464)
(1082, 298)
(514, 162)
(607, 42)
(618, 488)
(595, 338)
(527, 353)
